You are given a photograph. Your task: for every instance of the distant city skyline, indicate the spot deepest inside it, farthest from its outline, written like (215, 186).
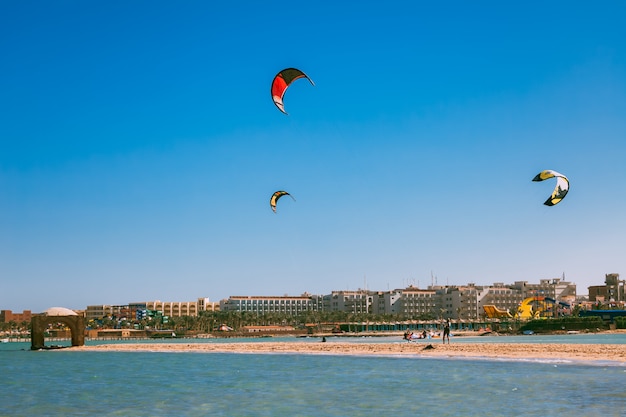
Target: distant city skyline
(168, 299)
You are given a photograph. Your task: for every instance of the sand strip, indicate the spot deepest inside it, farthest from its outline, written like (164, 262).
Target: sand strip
(565, 352)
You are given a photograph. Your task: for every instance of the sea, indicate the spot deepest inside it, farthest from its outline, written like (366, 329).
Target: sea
(66, 382)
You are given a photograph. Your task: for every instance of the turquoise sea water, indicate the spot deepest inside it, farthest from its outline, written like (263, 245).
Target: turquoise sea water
(71, 383)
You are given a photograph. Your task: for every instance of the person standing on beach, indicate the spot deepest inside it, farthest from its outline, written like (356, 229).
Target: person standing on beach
(446, 331)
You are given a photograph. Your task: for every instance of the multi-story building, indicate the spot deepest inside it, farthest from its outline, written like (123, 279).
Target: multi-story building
(271, 304)
(504, 297)
(388, 302)
(118, 312)
(182, 308)
(7, 316)
(456, 302)
(166, 308)
(466, 302)
(174, 308)
(357, 302)
(597, 293)
(97, 312)
(319, 302)
(460, 302)
(614, 288)
(554, 288)
(611, 292)
(205, 305)
(413, 301)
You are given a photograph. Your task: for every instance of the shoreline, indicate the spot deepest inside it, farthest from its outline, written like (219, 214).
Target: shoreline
(459, 350)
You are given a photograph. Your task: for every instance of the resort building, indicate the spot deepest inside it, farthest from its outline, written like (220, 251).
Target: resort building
(555, 288)
(97, 312)
(181, 308)
(465, 302)
(271, 304)
(383, 301)
(205, 305)
(135, 310)
(413, 301)
(174, 308)
(117, 312)
(455, 302)
(356, 302)
(504, 297)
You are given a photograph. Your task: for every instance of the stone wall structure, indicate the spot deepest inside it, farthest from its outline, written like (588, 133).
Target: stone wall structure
(40, 322)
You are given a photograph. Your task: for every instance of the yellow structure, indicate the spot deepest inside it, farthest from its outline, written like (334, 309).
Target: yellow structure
(534, 307)
(494, 312)
(530, 308)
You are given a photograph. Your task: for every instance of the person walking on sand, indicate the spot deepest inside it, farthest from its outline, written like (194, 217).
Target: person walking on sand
(446, 331)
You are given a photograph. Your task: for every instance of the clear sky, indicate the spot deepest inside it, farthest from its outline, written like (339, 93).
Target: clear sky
(139, 147)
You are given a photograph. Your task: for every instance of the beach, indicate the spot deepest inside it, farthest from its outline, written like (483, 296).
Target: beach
(519, 351)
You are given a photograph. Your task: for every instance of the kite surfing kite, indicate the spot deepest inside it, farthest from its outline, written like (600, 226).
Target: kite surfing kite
(562, 186)
(282, 81)
(276, 196)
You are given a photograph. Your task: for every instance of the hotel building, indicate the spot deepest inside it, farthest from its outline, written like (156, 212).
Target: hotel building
(167, 308)
(291, 305)
(456, 302)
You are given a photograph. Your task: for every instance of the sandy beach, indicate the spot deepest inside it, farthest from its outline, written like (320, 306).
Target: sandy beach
(565, 352)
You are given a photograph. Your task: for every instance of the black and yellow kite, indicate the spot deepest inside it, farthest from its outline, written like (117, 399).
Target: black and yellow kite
(276, 196)
(561, 189)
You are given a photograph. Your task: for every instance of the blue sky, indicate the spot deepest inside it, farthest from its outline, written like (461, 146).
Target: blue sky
(139, 147)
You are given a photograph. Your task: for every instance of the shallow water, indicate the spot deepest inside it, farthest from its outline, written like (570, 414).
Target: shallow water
(73, 383)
